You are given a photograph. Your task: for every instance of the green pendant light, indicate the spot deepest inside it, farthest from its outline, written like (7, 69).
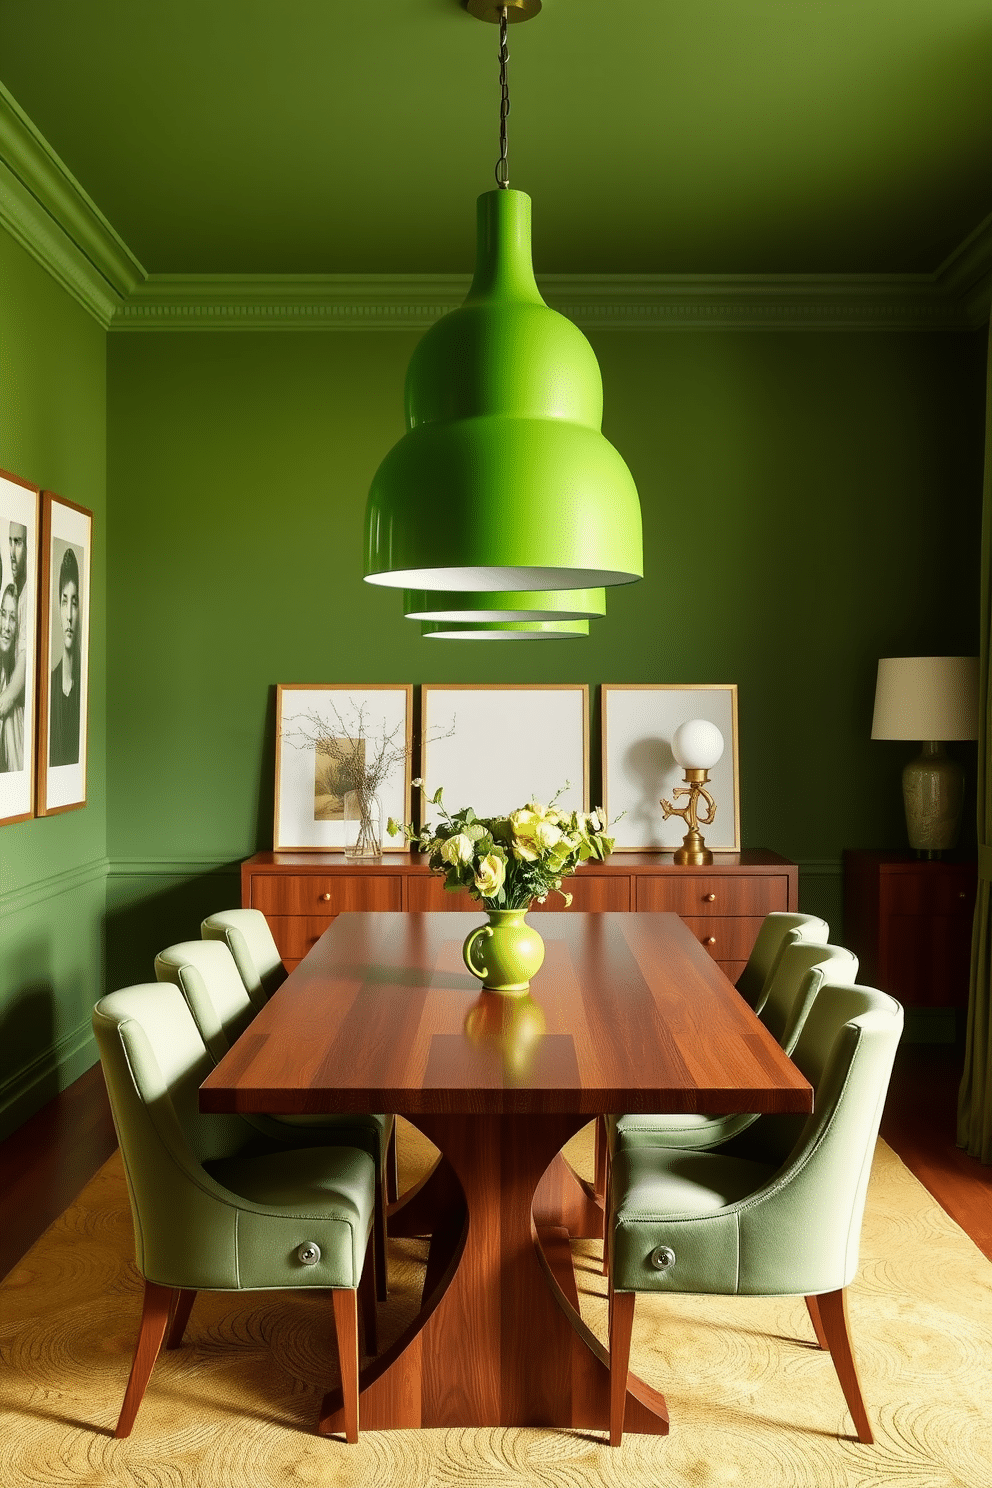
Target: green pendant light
(506, 630)
(504, 480)
(508, 604)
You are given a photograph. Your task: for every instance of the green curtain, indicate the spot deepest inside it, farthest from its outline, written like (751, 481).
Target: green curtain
(975, 1095)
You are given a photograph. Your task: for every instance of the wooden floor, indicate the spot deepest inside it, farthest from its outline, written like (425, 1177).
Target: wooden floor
(49, 1159)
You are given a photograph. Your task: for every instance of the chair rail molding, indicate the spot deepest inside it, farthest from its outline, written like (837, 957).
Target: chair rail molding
(40, 890)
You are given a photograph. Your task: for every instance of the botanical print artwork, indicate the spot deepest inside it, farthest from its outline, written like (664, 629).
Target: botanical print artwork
(335, 762)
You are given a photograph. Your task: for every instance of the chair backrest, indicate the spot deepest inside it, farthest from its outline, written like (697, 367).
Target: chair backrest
(801, 1233)
(780, 928)
(798, 974)
(154, 1061)
(247, 936)
(206, 974)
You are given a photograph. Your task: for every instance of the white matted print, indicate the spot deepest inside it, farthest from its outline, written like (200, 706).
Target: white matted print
(371, 721)
(66, 546)
(495, 748)
(20, 546)
(639, 768)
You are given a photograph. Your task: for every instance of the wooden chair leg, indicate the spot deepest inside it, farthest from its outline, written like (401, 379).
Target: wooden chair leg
(155, 1312)
(621, 1327)
(379, 1237)
(607, 1201)
(602, 1150)
(367, 1302)
(346, 1333)
(392, 1168)
(816, 1320)
(181, 1310)
(832, 1307)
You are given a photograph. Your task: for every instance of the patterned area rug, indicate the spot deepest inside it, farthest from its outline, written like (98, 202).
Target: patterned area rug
(752, 1400)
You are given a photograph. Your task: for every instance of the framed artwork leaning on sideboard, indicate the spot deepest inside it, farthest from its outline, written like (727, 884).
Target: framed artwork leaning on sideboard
(638, 723)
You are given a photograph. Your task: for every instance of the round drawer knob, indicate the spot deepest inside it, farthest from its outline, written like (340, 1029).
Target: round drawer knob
(710, 940)
(326, 898)
(662, 1258)
(962, 895)
(710, 898)
(308, 1254)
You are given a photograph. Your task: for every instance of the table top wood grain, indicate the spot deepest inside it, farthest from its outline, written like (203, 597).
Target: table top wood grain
(628, 1013)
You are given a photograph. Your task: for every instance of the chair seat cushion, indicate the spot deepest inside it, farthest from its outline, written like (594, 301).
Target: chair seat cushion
(666, 1182)
(690, 1129)
(326, 1196)
(671, 1229)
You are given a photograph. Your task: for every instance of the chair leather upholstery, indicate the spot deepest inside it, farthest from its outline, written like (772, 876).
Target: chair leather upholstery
(212, 1209)
(779, 928)
(778, 1210)
(247, 936)
(800, 970)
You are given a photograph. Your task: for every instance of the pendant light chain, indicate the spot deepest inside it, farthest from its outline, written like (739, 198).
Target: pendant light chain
(502, 168)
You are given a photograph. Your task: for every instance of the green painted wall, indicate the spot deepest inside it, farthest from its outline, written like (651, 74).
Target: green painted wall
(53, 871)
(811, 502)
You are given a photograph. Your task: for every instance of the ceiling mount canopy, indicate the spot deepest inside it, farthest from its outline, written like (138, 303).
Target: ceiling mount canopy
(504, 480)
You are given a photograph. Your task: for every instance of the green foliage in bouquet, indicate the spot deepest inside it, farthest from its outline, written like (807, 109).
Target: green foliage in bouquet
(506, 862)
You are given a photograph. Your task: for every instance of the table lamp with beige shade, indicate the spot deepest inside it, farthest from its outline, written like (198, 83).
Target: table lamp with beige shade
(933, 699)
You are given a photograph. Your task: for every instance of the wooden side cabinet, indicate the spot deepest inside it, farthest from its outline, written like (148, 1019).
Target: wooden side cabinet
(724, 904)
(908, 920)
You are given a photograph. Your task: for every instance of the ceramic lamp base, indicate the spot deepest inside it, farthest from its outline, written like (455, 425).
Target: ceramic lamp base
(933, 794)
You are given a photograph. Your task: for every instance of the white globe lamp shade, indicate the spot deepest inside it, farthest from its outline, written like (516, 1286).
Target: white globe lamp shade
(697, 744)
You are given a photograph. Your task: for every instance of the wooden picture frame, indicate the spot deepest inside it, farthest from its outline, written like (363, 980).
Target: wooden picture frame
(20, 550)
(638, 721)
(306, 817)
(64, 653)
(495, 747)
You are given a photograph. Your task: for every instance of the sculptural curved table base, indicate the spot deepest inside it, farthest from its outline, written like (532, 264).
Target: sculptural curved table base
(499, 1340)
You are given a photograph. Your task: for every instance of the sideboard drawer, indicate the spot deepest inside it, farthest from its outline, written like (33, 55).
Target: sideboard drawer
(330, 894)
(295, 935)
(592, 892)
(730, 939)
(429, 893)
(713, 894)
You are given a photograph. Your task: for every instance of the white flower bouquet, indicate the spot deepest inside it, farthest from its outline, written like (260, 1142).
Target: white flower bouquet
(506, 862)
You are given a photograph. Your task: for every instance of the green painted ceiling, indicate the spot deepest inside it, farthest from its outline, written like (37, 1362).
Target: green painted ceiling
(724, 136)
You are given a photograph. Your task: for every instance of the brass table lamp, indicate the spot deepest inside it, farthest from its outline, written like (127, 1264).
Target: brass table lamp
(697, 746)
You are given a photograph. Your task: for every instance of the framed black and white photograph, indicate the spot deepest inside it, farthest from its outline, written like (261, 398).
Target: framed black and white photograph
(66, 549)
(496, 747)
(20, 547)
(337, 749)
(639, 769)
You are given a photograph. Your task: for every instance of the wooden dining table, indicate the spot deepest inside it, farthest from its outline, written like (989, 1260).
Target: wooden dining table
(628, 1013)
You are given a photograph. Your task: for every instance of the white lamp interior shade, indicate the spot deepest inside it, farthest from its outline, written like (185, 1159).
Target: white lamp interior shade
(697, 744)
(926, 697)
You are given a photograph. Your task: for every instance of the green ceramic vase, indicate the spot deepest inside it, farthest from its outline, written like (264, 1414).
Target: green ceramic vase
(504, 954)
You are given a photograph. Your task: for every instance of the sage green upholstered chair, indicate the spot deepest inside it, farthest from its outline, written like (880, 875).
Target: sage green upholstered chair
(206, 974)
(777, 1211)
(247, 936)
(799, 972)
(214, 1208)
(778, 930)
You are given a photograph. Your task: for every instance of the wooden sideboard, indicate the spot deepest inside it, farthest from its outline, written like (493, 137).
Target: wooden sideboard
(300, 893)
(909, 922)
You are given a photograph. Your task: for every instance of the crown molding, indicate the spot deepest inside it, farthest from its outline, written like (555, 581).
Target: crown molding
(629, 301)
(45, 209)
(49, 214)
(966, 274)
